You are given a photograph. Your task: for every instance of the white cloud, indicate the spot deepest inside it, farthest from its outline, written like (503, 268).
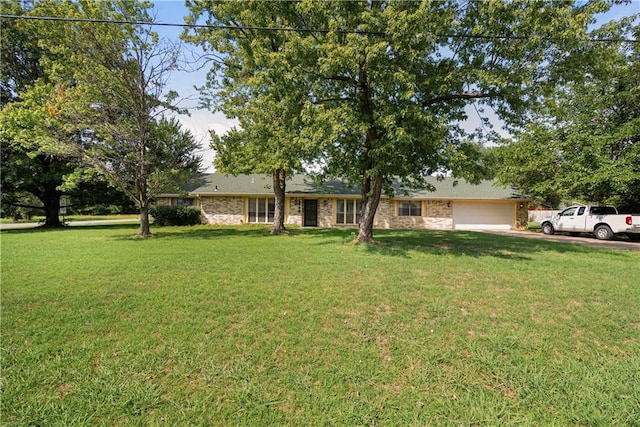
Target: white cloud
(200, 123)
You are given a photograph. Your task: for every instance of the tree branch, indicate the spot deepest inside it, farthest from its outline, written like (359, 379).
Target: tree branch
(340, 78)
(327, 100)
(20, 205)
(455, 96)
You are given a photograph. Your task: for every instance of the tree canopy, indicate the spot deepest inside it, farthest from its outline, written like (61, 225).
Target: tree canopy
(583, 142)
(101, 100)
(27, 120)
(387, 83)
(270, 137)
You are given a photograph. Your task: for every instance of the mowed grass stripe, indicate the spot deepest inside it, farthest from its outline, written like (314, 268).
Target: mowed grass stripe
(232, 326)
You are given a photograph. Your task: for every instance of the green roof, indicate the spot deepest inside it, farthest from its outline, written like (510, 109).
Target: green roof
(303, 185)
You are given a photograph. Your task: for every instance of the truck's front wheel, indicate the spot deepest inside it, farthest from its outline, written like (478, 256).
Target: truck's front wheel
(547, 228)
(603, 232)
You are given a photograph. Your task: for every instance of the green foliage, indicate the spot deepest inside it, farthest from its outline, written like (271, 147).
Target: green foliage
(18, 205)
(29, 124)
(20, 53)
(198, 327)
(379, 88)
(99, 100)
(175, 215)
(262, 90)
(583, 143)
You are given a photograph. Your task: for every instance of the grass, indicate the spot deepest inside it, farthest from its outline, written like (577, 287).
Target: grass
(74, 218)
(231, 326)
(534, 226)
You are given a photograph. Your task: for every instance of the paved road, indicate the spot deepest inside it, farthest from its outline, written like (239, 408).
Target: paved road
(585, 241)
(14, 226)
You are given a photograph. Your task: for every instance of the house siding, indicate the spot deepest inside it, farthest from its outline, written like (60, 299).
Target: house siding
(522, 216)
(436, 214)
(326, 217)
(223, 210)
(293, 212)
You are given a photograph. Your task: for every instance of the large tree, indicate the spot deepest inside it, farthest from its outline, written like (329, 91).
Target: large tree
(390, 80)
(105, 99)
(120, 100)
(270, 137)
(583, 143)
(25, 119)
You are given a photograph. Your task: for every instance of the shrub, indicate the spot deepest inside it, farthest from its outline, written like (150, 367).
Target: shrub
(175, 215)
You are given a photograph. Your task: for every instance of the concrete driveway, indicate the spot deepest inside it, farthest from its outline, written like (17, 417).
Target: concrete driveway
(562, 238)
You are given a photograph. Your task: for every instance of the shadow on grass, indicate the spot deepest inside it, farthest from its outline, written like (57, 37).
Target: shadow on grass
(456, 243)
(40, 229)
(396, 243)
(402, 243)
(208, 232)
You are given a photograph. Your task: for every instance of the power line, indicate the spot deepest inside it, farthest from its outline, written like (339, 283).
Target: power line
(281, 29)
(187, 25)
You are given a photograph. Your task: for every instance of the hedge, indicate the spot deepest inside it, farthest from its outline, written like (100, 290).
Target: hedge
(175, 215)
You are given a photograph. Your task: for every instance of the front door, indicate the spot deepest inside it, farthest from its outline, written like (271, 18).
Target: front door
(310, 213)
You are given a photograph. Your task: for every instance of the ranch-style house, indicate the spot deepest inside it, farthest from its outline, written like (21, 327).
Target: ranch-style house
(248, 199)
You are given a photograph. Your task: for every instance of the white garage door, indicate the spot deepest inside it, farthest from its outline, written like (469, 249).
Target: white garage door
(483, 216)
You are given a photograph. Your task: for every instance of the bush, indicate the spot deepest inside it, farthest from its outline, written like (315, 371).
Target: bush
(175, 215)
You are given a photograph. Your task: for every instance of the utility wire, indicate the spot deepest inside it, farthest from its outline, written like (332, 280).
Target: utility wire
(183, 25)
(282, 29)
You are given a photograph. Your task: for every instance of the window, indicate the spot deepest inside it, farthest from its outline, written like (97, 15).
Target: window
(603, 210)
(261, 210)
(348, 211)
(568, 212)
(581, 210)
(182, 201)
(410, 209)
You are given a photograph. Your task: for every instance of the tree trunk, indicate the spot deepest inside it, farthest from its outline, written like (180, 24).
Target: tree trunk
(143, 193)
(47, 192)
(279, 188)
(51, 204)
(50, 198)
(371, 192)
(372, 182)
(143, 204)
(145, 229)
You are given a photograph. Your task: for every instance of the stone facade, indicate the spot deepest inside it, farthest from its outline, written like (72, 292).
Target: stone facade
(436, 214)
(326, 216)
(294, 214)
(522, 216)
(224, 210)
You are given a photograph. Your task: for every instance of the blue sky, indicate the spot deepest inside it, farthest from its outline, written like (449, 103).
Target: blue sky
(200, 122)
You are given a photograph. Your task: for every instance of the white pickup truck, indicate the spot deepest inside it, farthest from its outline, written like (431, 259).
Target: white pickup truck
(603, 221)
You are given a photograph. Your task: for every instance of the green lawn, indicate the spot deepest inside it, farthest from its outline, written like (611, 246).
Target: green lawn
(75, 218)
(232, 326)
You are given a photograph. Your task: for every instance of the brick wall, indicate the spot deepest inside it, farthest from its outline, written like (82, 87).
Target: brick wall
(295, 211)
(163, 201)
(522, 216)
(326, 216)
(223, 210)
(436, 214)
